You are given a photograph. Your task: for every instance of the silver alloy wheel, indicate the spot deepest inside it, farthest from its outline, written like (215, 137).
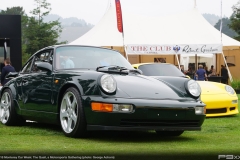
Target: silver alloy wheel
(69, 112)
(5, 107)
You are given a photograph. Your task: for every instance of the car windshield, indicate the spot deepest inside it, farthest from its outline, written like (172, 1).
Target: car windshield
(88, 57)
(160, 70)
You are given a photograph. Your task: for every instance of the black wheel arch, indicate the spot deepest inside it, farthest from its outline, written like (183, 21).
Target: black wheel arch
(14, 93)
(63, 89)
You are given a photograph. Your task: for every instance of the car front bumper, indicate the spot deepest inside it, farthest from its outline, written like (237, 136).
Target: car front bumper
(148, 114)
(220, 105)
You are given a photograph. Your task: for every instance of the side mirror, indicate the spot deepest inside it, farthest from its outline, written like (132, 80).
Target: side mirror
(136, 71)
(139, 71)
(45, 66)
(11, 75)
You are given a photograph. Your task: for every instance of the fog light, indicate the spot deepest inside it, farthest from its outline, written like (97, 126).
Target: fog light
(234, 101)
(200, 110)
(123, 107)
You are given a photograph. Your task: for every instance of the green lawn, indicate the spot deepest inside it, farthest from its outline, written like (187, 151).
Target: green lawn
(218, 136)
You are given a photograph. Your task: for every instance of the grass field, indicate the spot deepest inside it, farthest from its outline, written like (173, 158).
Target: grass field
(218, 136)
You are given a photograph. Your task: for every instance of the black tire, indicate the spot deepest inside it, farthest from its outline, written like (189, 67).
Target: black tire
(8, 115)
(72, 117)
(169, 133)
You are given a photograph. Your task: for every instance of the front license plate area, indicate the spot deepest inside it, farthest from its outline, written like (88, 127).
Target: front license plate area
(168, 114)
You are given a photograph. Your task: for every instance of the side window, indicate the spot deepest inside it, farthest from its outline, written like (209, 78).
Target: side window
(41, 57)
(27, 67)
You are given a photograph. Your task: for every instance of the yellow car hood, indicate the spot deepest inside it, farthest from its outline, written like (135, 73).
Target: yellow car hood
(212, 87)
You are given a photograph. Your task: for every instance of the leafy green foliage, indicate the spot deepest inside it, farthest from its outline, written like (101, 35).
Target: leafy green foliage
(235, 20)
(36, 34)
(41, 34)
(13, 11)
(236, 84)
(24, 21)
(225, 27)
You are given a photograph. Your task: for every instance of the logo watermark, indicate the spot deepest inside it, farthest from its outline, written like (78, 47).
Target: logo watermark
(228, 156)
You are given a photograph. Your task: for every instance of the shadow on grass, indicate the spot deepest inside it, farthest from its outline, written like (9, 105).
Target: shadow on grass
(113, 136)
(134, 136)
(45, 126)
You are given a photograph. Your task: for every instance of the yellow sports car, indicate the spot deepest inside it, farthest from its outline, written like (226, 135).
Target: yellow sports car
(220, 99)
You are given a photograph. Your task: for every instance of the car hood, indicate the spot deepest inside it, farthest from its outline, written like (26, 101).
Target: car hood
(212, 87)
(139, 86)
(128, 86)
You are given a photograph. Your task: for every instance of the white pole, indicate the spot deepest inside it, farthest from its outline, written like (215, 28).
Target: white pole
(178, 61)
(229, 74)
(221, 23)
(195, 3)
(125, 50)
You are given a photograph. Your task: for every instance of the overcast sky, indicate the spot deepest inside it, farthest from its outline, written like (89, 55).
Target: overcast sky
(93, 10)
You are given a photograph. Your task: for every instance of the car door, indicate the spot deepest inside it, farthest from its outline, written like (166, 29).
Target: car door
(21, 81)
(37, 86)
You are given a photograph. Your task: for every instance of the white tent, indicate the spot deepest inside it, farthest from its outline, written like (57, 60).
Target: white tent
(186, 28)
(105, 33)
(186, 32)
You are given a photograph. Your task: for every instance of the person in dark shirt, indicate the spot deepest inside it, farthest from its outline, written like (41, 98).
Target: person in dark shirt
(5, 70)
(206, 69)
(224, 74)
(211, 70)
(201, 74)
(182, 68)
(190, 72)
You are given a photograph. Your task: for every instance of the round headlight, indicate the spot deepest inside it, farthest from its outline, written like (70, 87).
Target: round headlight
(193, 88)
(229, 89)
(108, 83)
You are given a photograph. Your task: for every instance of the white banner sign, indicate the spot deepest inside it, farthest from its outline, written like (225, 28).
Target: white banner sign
(174, 49)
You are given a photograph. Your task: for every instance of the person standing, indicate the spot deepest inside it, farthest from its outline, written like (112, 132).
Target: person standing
(182, 68)
(211, 70)
(190, 72)
(201, 74)
(206, 69)
(5, 70)
(224, 74)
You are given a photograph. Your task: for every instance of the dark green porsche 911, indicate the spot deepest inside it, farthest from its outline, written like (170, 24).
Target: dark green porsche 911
(86, 88)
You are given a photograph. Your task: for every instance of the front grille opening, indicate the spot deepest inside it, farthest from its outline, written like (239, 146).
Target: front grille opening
(232, 108)
(180, 123)
(216, 111)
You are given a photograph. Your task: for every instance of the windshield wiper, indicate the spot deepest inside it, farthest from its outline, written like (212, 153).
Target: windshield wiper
(113, 68)
(136, 71)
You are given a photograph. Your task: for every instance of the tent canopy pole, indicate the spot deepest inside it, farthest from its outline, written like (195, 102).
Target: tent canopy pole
(229, 74)
(178, 61)
(125, 52)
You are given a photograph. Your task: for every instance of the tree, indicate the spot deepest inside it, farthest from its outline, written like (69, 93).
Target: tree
(14, 11)
(41, 34)
(225, 27)
(235, 20)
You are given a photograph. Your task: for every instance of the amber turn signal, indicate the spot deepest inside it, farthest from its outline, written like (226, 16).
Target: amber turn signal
(102, 107)
(56, 81)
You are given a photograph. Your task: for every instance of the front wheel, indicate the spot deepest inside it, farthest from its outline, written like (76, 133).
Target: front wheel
(72, 115)
(8, 115)
(169, 133)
